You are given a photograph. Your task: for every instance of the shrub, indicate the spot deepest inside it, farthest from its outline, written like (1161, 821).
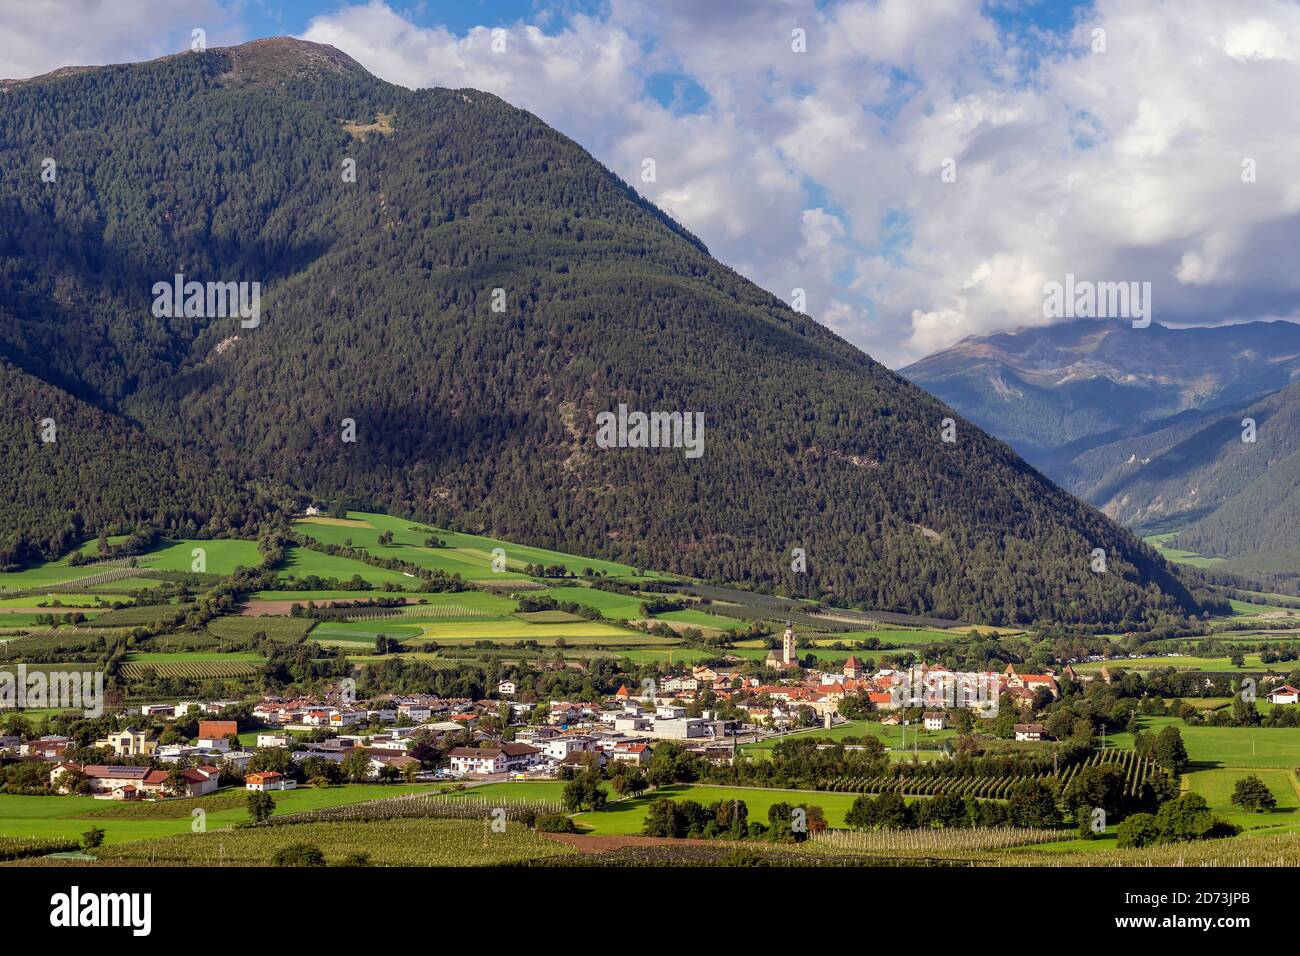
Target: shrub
(555, 823)
(298, 854)
(1138, 830)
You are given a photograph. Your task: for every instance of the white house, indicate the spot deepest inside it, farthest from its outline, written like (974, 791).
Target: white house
(639, 753)
(347, 718)
(935, 720)
(1286, 694)
(273, 740)
(499, 759)
(557, 748)
(1029, 731)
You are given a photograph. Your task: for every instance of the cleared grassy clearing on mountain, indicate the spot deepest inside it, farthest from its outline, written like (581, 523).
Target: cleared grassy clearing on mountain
(221, 555)
(1180, 555)
(467, 554)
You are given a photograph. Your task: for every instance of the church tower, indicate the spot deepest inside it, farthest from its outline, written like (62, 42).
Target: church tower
(787, 645)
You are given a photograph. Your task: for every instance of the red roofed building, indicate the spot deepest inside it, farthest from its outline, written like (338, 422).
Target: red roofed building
(265, 780)
(639, 753)
(213, 733)
(1286, 694)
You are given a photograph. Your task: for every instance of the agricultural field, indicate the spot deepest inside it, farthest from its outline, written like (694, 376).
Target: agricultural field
(193, 665)
(361, 632)
(664, 654)
(420, 842)
(902, 636)
(55, 572)
(896, 737)
(1218, 665)
(583, 632)
(466, 554)
(287, 629)
(220, 555)
(56, 603)
(142, 616)
(28, 619)
(300, 562)
(616, 607)
(700, 619)
(435, 661)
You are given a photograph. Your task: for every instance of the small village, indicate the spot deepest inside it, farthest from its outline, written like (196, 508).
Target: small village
(383, 739)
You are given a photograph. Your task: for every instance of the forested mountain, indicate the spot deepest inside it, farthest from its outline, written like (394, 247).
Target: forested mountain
(377, 306)
(1228, 496)
(70, 468)
(1053, 392)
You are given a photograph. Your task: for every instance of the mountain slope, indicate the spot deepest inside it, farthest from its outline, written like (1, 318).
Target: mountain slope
(1236, 497)
(1067, 387)
(98, 472)
(377, 307)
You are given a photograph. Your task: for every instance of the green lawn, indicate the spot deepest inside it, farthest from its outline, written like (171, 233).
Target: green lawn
(1216, 786)
(22, 816)
(1243, 747)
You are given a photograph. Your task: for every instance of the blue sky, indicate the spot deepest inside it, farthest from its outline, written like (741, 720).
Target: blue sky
(920, 169)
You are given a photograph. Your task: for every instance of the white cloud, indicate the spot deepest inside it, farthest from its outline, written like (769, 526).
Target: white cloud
(822, 170)
(37, 36)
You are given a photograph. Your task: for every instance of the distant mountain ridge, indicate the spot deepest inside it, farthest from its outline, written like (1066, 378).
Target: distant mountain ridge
(1047, 387)
(467, 305)
(1147, 423)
